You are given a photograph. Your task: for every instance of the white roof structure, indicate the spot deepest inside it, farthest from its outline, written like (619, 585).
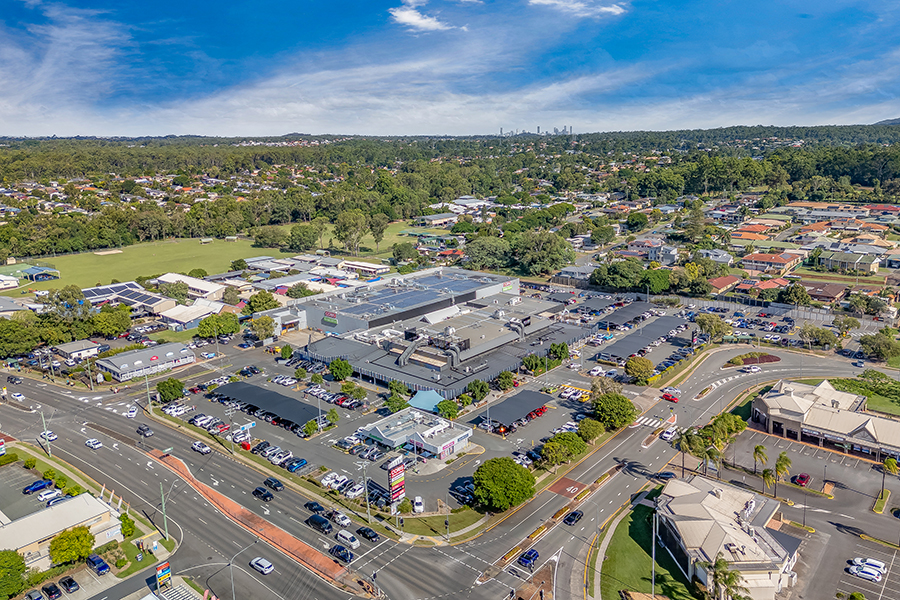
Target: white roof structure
(197, 286)
(47, 522)
(186, 314)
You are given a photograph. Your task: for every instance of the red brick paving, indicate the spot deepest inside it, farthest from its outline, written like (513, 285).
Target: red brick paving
(290, 545)
(567, 487)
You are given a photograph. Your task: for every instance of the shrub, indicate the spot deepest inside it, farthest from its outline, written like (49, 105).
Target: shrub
(737, 360)
(121, 563)
(61, 482)
(127, 525)
(113, 545)
(50, 474)
(8, 459)
(74, 490)
(30, 463)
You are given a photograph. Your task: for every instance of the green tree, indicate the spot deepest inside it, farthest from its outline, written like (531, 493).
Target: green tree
(725, 583)
(695, 224)
(300, 290)
(448, 409)
(177, 291)
(488, 253)
(782, 468)
(637, 221)
(478, 389)
(263, 327)
(657, 281)
(311, 428)
(112, 320)
(216, 325)
(603, 234)
(768, 477)
(128, 526)
(845, 324)
(396, 403)
(287, 352)
(465, 400)
(358, 393)
(170, 389)
(340, 369)
(12, 570)
(378, 223)
(794, 294)
(405, 507)
(879, 345)
(856, 596)
(259, 302)
(505, 380)
(239, 265)
(559, 351)
(405, 251)
(859, 304)
(269, 237)
(640, 368)
(889, 466)
(300, 374)
(590, 429)
(349, 228)
(572, 441)
(759, 456)
(684, 441)
(398, 387)
(197, 273)
(501, 483)
(303, 237)
(71, 545)
(614, 410)
(231, 295)
(316, 379)
(332, 416)
(712, 325)
(554, 453)
(542, 252)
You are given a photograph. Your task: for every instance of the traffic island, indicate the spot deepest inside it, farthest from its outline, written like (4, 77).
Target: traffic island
(539, 586)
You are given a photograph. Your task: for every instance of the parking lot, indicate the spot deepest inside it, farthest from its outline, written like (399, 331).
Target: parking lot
(886, 589)
(16, 504)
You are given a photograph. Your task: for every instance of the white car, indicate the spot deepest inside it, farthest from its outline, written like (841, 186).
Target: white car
(94, 444)
(201, 448)
(326, 481)
(262, 565)
(342, 519)
(671, 390)
(49, 436)
(595, 371)
(338, 482)
(18, 397)
(752, 369)
(132, 412)
(668, 434)
(866, 573)
(418, 505)
(356, 491)
(871, 564)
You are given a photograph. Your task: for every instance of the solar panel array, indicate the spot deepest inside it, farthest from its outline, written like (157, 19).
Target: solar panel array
(103, 292)
(134, 297)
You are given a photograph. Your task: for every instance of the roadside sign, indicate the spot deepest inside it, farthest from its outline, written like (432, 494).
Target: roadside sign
(163, 573)
(247, 426)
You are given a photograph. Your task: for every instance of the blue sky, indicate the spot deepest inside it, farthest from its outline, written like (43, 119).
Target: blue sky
(267, 67)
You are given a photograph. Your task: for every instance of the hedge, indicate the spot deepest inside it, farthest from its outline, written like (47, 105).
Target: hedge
(8, 459)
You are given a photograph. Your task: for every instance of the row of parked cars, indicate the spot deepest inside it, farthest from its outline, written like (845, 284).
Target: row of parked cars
(310, 366)
(338, 398)
(279, 456)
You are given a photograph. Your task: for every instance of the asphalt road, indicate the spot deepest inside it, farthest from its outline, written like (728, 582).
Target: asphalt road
(404, 571)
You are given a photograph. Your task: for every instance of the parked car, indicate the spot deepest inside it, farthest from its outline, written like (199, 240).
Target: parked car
(37, 486)
(802, 479)
(69, 584)
(97, 564)
(52, 591)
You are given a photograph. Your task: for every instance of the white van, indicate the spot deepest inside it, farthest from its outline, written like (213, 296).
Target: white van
(49, 495)
(596, 371)
(347, 539)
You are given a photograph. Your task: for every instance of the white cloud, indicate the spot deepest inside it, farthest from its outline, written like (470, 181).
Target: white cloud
(582, 8)
(412, 18)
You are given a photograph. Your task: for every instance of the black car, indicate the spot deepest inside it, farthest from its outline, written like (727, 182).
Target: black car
(314, 507)
(573, 517)
(145, 430)
(341, 553)
(263, 494)
(52, 591)
(368, 533)
(274, 484)
(666, 475)
(69, 584)
(260, 447)
(14, 380)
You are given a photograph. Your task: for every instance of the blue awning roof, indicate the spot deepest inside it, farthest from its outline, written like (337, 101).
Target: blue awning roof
(426, 400)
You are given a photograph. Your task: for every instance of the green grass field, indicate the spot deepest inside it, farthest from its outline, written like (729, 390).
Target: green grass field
(628, 565)
(180, 256)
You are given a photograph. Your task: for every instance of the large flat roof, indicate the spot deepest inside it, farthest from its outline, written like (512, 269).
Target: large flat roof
(517, 406)
(48, 522)
(627, 313)
(285, 407)
(163, 353)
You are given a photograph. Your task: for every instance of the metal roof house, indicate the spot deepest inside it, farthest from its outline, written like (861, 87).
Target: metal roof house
(146, 361)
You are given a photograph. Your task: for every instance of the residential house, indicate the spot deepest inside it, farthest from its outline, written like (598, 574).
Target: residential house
(747, 285)
(8, 282)
(825, 292)
(439, 220)
(892, 259)
(744, 235)
(664, 255)
(197, 288)
(720, 285)
(771, 263)
(844, 261)
(576, 272)
(644, 246)
(717, 256)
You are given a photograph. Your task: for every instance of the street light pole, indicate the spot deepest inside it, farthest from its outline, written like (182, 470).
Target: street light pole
(44, 423)
(165, 519)
(149, 402)
(231, 565)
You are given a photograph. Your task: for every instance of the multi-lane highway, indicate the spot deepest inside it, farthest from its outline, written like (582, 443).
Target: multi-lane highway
(209, 540)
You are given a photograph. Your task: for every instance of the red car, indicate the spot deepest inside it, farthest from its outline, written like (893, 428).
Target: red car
(670, 398)
(802, 479)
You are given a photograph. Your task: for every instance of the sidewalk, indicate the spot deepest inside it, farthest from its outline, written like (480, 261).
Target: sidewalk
(611, 529)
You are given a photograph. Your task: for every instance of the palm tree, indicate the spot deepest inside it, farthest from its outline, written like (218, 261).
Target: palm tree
(760, 456)
(888, 466)
(684, 441)
(710, 453)
(768, 477)
(724, 582)
(782, 469)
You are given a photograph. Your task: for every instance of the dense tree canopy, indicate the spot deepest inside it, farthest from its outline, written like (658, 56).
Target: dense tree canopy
(501, 483)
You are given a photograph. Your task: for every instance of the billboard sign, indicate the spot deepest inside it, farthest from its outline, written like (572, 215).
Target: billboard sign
(397, 482)
(163, 573)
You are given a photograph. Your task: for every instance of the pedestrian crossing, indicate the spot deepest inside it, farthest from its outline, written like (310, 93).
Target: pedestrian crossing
(656, 422)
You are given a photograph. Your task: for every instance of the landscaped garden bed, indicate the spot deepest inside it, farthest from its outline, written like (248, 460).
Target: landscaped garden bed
(751, 358)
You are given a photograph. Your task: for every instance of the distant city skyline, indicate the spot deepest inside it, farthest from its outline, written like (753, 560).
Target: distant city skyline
(441, 67)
